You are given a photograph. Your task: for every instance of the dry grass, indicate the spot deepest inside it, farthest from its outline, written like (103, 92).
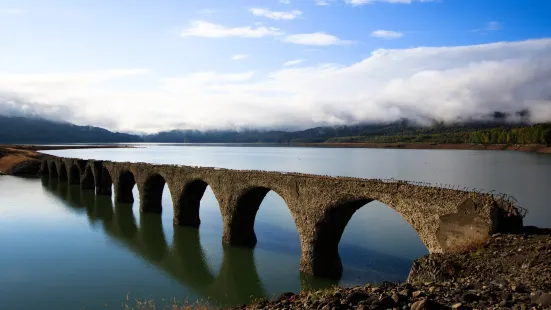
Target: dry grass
(11, 157)
(173, 305)
(10, 161)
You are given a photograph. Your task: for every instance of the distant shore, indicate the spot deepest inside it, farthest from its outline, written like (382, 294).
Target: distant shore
(23, 159)
(537, 148)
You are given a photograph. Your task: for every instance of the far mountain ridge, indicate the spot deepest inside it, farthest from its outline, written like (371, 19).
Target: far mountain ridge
(491, 130)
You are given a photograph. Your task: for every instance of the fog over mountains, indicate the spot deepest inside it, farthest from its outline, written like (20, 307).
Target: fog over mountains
(421, 84)
(33, 129)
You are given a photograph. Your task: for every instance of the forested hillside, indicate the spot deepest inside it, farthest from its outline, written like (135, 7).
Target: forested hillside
(504, 134)
(403, 131)
(39, 131)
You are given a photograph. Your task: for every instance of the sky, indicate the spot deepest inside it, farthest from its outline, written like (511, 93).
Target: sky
(148, 66)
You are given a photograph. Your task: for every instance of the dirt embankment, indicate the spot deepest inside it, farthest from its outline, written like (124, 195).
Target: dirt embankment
(538, 148)
(16, 161)
(25, 160)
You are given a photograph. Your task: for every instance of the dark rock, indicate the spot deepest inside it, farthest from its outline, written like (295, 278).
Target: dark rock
(286, 295)
(418, 294)
(534, 296)
(398, 298)
(544, 300)
(325, 307)
(470, 297)
(355, 298)
(386, 303)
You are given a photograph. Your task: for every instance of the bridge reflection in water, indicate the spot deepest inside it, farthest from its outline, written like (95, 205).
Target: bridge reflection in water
(237, 281)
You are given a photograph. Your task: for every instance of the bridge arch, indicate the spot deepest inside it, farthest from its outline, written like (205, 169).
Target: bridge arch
(151, 194)
(239, 227)
(88, 179)
(124, 186)
(102, 179)
(62, 168)
(328, 231)
(74, 175)
(188, 203)
(52, 169)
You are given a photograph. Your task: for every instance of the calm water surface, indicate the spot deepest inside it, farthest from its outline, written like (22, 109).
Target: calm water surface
(63, 248)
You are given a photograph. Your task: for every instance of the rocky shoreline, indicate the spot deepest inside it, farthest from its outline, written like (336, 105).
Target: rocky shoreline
(510, 271)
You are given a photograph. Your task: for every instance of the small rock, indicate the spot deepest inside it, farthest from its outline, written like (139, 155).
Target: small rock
(355, 298)
(458, 306)
(406, 292)
(470, 297)
(544, 300)
(286, 295)
(427, 304)
(398, 298)
(386, 302)
(326, 307)
(534, 296)
(376, 290)
(418, 294)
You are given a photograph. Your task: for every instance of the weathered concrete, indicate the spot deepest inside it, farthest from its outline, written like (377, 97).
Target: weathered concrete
(446, 220)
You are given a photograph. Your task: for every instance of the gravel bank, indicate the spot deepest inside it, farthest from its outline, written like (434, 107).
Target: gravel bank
(508, 272)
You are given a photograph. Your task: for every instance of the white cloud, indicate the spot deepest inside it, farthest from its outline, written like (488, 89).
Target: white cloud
(493, 25)
(285, 1)
(316, 39)
(444, 83)
(239, 56)
(490, 26)
(207, 12)
(362, 2)
(293, 62)
(275, 15)
(386, 34)
(323, 2)
(210, 30)
(12, 11)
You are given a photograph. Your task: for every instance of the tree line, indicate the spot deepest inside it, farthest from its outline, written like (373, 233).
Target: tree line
(535, 134)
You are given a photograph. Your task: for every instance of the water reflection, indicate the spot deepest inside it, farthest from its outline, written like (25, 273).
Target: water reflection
(185, 260)
(237, 281)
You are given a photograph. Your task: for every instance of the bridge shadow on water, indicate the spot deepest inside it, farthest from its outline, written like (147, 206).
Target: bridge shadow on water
(185, 260)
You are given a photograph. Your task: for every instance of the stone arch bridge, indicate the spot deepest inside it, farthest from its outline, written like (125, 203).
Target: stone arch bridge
(446, 220)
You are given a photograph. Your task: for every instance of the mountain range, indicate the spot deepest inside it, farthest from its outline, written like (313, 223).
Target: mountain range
(29, 130)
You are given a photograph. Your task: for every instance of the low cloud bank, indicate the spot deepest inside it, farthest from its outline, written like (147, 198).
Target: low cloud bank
(440, 83)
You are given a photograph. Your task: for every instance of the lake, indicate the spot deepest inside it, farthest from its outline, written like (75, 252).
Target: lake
(64, 248)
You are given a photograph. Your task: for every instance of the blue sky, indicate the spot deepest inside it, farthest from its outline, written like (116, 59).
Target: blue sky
(197, 62)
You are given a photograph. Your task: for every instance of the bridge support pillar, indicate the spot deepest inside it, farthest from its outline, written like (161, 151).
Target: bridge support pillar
(151, 194)
(238, 235)
(320, 260)
(149, 206)
(186, 213)
(123, 196)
